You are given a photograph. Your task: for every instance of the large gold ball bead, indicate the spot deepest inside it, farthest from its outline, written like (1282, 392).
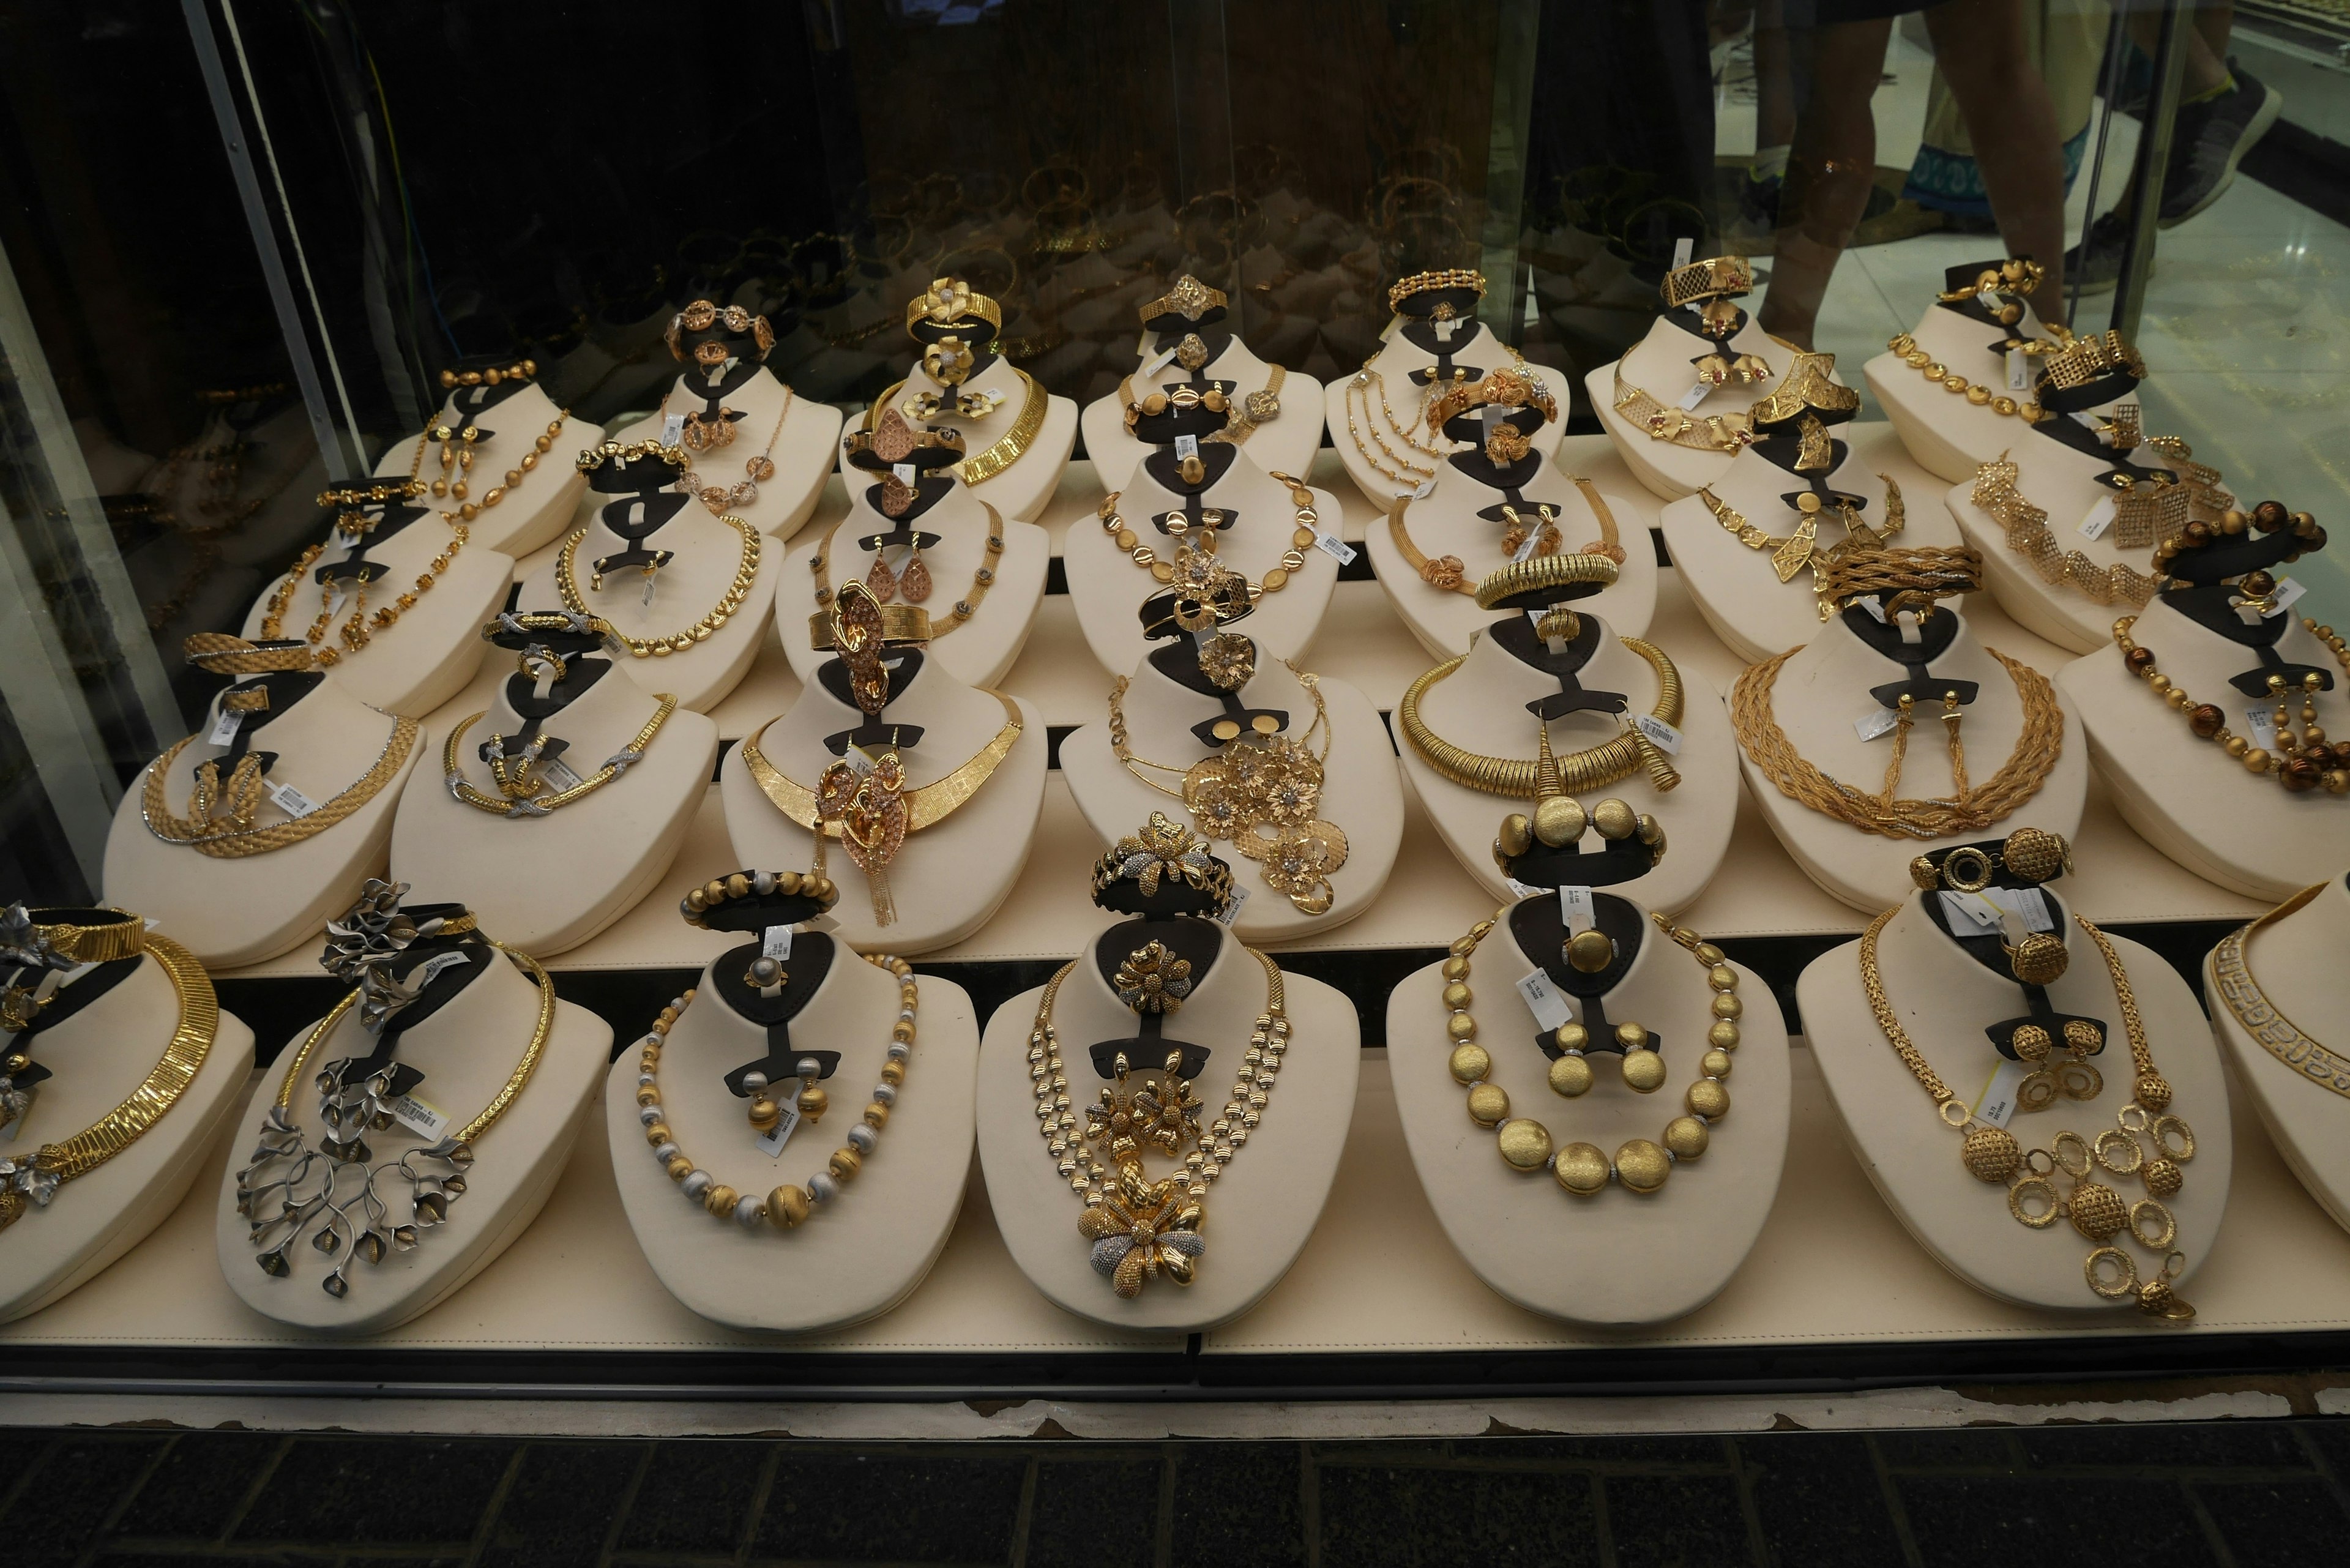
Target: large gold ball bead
(1644, 1072)
(1708, 1098)
(765, 1114)
(1559, 821)
(1724, 1035)
(2162, 1178)
(1458, 996)
(1714, 1064)
(1516, 836)
(788, 1206)
(1614, 819)
(1686, 1136)
(1722, 977)
(1588, 953)
(1642, 1165)
(1991, 1154)
(845, 1164)
(1489, 1104)
(2097, 1210)
(1726, 1005)
(1631, 1036)
(812, 1102)
(1525, 1143)
(1461, 1027)
(1455, 969)
(1571, 1037)
(720, 1200)
(738, 886)
(1707, 954)
(2153, 1092)
(1570, 1076)
(1470, 1063)
(1581, 1169)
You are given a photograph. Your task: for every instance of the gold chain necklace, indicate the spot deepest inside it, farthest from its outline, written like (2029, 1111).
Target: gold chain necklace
(2301, 762)
(1991, 1154)
(2029, 536)
(1277, 577)
(932, 803)
(747, 574)
(2260, 1018)
(744, 494)
(1589, 769)
(34, 1179)
(982, 577)
(1140, 1229)
(1981, 394)
(1450, 572)
(520, 791)
(222, 823)
(1792, 553)
(1034, 404)
(1398, 467)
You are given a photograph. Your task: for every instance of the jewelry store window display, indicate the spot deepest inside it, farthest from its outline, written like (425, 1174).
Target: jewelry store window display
(928, 788)
(2212, 714)
(1188, 341)
(1959, 388)
(916, 535)
(1496, 501)
(1893, 730)
(743, 1102)
(755, 450)
(1635, 1195)
(493, 455)
(390, 600)
(1549, 684)
(1293, 769)
(1197, 506)
(1433, 344)
(405, 1139)
(118, 1070)
(573, 778)
(1755, 547)
(686, 594)
(241, 840)
(1017, 439)
(1125, 1190)
(2038, 1101)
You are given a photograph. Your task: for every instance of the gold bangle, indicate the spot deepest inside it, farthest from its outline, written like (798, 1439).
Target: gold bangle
(2091, 358)
(1431, 282)
(218, 653)
(1719, 277)
(1804, 388)
(1506, 388)
(1190, 298)
(950, 300)
(572, 622)
(126, 937)
(702, 315)
(520, 370)
(1556, 571)
(592, 457)
(900, 623)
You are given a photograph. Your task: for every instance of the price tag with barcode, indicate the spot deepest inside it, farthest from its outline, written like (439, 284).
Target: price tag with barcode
(1159, 360)
(1874, 722)
(223, 730)
(1683, 248)
(1231, 911)
(778, 943)
(2262, 723)
(1997, 1102)
(1696, 395)
(1545, 1000)
(1575, 906)
(559, 774)
(291, 801)
(423, 1117)
(2288, 590)
(2100, 518)
(673, 428)
(1330, 545)
(771, 1142)
(1187, 447)
(906, 473)
(1661, 735)
(2019, 369)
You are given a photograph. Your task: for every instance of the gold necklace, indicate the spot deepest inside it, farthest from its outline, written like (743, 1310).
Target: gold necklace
(1398, 467)
(1715, 432)
(2260, 1018)
(982, 577)
(932, 803)
(1140, 1229)
(744, 494)
(1792, 553)
(1450, 572)
(1981, 394)
(1035, 403)
(1276, 579)
(521, 791)
(2029, 536)
(747, 574)
(2301, 762)
(34, 1179)
(221, 824)
(1589, 769)
(1991, 1154)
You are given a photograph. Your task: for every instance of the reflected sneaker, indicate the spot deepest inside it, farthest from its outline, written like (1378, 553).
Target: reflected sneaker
(2209, 140)
(2096, 261)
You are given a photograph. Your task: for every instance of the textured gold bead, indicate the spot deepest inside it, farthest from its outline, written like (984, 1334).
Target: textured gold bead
(1571, 1076)
(845, 1164)
(1727, 1006)
(876, 1116)
(1489, 1103)
(1455, 968)
(720, 1199)
(1707, 954)
(1714, 1064)
(1641, 1166)
(1581, 1169)
(893, 1073)
(1644, 1072)
(1686, 1137)
(1525, 1143)
(1708, 1098)
(1457, 997)
(1461, 1028)
(1722, 977)
(646, 1095)
(657, 1134)
(679, 1167)
(1470, 1063)
(788, 1206)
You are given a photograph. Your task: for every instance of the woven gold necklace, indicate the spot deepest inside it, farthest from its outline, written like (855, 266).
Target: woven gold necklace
(221, 824)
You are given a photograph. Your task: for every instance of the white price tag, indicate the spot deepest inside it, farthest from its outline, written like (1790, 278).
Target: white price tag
(291, 801)
(1997, 1102)
(2019, 369)
(905, 473)
(1876, 609)
(423, 1117)
(1661, 735)
(1545, 1000)
(673, 428)
(776, 944)
(434, 965)
(771, 1142)
(1330, 545)
(1696, 395)
(1444, 330)
(1187, 447)
(1987, 300)
(2100, 518)
(856, 758)
(223, 729)
(1874, 722)
(2288, 590)
(1970, 909)
(1231, 911)
(559, 773)
(2261, 722)
(1525, 551)
(1521, 891)
(1424, 488)
(1683, 248)
(2027, 904)
(1159, 359)
(1575, 906)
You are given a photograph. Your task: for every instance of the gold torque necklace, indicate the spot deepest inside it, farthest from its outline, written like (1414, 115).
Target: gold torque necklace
(744, 494)
(1450, 574)
(522, 789)
(2261, 1018)
(932, 803)
(1589, 769)
(746, 576)
(2144, 1142)
(32, 1181)
(1793, 552)
(220, 814)
(906, 584)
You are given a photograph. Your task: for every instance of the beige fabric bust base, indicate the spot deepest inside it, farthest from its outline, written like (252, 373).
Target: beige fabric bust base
(980, 650)
(530, 514)
(1944, 1000)
(1360, 791)
(546, 884)
(1945, 433)
(230, 912)
(1258, 1213)
(1022, 489)
(1287, 443)
(860, 1254)
(1663, 365)
(802, 453)
(2188, 797)
(1483, 706)
(425, 657)
(1447, 524)
(98, 1056)
(947, 879)
(1618, 1258)
(1823, 688)
(707, 555)
(1737, 588)
(1108, 587)
(466, 1051)
(2297, 965)
(1395, 360)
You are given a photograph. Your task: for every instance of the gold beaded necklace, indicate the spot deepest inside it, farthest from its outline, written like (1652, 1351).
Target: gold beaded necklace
(2303, 760)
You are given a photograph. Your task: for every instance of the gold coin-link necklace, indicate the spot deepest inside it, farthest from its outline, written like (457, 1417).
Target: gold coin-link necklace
(982, 577)
(1301, 538)
(746, 575)
(744, 494)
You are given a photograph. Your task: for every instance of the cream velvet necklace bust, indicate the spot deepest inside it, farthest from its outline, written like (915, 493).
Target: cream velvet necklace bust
(1399, 356)
(532, 513)
(1287, 443)
(1025, 488)
(1946, 432)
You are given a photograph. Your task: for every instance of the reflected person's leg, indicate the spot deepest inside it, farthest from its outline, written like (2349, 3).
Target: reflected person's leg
(1836, 69)
(1980, 49)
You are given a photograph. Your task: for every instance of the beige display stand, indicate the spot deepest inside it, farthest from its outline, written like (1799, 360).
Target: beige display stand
(230, 912)
(1398, 358)
(1022, 489)
(1618, 1258)
(1946, 434)
(1259, 1213)
(1824, 688)
(600, 854)
(1485, 700)
(946, 879)
(2062, 483)
(466, 1049)
(1108, 587)
(804, 451)
(1447, 524)
(2297, 965)
(1286, 444)
(1662, 365)
(98, 1057)
(982, 650)
(856, 1256)
(707, 555)
(424, 658)
(2188, 797)
(531, 512)
(1360, 791)
(1945, 1000)
(1737, 588)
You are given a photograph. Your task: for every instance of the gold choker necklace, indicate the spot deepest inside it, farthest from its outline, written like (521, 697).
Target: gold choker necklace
(746, 575)
(2257, 1016)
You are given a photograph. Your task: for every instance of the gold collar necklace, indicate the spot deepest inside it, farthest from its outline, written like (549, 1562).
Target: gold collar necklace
(522, 789)
(931, 804)
(2260, 1018)
(1035, 403)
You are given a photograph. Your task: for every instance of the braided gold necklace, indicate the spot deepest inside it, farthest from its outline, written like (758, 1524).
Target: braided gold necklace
(221, 824)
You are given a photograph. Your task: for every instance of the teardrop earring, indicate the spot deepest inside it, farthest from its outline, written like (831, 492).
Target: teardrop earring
(881, 578)
(914, 582)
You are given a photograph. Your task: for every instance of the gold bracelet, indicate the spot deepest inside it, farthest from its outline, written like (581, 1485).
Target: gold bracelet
(900, 624)
(1554, 571)
(1720, 277)
(949, 301)
(520, 370)
(1190, 298)
(1804, 388)
(1792, 553)
(1505, 387)
(114, 940)
(1924, 572)
(1449, 574)
(592, 457)
(2016, 275)
(1431, 282)
(2090, 358)
(218, 653)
